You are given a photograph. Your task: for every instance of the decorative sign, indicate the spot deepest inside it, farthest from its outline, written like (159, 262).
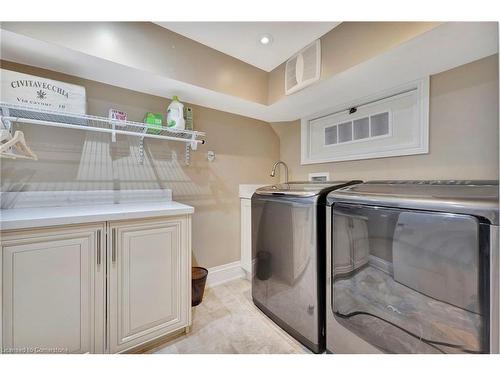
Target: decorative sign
(43, 93)
(115, 114)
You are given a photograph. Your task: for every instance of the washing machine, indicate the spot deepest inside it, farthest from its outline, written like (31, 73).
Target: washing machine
(412, 267)
(288, 252)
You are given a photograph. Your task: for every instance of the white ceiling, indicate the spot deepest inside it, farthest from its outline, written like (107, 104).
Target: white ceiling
(241, 39)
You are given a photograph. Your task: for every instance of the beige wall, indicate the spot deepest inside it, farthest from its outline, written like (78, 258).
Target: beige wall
(351, 43)
(77, 160)
(463, 134)
(152, 48)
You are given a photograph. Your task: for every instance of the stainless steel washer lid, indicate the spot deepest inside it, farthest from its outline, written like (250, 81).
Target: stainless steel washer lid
(479, 198)
(302, 188)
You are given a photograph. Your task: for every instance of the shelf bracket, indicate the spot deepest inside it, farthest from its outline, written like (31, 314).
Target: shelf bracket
(187, 155)
(193, 145)
(6, 124)
(113, 133)
(141, 147)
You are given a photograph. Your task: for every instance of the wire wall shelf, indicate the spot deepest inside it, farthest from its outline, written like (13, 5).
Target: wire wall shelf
(13, 113)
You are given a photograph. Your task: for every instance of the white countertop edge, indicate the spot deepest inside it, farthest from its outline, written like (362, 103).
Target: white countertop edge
(246, 190)
(24, 218)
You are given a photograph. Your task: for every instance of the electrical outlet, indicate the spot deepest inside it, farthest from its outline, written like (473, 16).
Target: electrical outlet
(210, 155)
(319, 176)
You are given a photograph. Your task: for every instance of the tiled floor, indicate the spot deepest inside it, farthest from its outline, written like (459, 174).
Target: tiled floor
(228, 322)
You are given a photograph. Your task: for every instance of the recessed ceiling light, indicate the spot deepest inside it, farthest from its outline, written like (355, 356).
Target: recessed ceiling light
(266, 39)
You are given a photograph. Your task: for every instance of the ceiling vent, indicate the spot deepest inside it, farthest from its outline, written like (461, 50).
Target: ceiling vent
(303, 68)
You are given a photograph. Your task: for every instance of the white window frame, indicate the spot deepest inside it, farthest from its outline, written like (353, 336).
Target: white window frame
(418, 146)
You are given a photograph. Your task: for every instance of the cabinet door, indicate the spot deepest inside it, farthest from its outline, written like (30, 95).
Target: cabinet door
(246, 237)
(53, 290)
(150, 272)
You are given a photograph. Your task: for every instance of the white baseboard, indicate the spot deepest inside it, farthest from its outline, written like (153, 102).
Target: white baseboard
(249, 274)
(231, 271)
(381, 264)
(224, 273)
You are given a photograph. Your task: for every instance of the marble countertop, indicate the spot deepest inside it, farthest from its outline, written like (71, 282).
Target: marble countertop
(20, 218)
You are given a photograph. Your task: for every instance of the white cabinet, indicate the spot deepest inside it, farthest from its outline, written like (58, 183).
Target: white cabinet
(245, 192)
(246, 236)
(54, 294)
(53, 290)
(149, 280)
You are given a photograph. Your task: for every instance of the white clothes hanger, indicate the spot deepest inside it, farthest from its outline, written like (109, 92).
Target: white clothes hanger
(16, 143)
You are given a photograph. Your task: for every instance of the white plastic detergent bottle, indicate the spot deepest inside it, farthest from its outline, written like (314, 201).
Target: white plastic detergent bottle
(175, 114)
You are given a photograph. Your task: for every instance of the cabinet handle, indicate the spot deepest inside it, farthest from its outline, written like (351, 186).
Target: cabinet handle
(98, 247)
(113, 252)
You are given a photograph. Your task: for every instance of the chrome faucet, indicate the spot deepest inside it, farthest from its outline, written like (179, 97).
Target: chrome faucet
(273, 172)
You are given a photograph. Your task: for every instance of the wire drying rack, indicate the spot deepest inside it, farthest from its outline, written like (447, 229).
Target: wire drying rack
(13, 113)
